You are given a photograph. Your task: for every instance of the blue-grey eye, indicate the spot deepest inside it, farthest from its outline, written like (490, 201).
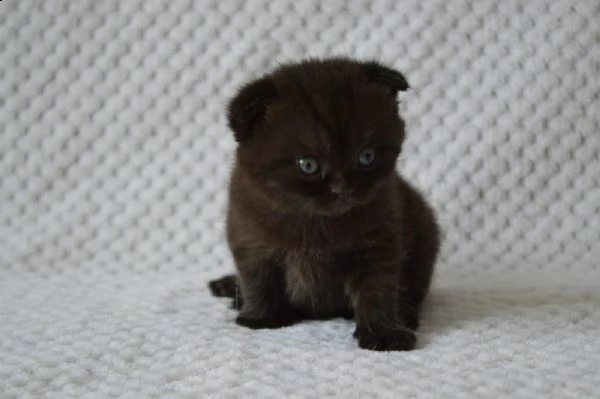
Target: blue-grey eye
(366, 157)
(308, 165)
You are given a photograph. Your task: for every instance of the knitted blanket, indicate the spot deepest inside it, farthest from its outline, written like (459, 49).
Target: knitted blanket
(114, 161)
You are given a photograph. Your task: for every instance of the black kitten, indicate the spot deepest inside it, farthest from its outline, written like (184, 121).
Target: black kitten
(319, 222)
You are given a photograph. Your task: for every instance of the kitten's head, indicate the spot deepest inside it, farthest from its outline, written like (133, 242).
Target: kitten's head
(321, 136)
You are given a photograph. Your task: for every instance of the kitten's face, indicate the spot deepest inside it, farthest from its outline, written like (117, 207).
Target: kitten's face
(326, 143)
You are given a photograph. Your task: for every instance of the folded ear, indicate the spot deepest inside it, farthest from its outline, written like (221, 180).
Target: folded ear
(378, 73)
(249, 106)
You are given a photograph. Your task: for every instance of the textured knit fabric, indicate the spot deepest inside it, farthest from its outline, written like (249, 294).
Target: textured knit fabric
(114, 160)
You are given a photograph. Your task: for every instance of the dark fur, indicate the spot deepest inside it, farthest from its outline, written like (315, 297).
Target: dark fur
(303, 251)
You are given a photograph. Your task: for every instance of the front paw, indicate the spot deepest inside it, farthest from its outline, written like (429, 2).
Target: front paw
(401, 339)
(264, 323)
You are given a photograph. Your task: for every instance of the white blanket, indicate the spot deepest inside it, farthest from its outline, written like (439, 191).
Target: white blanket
(114, 158)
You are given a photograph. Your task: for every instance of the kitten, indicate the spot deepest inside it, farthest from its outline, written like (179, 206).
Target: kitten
(319, 223)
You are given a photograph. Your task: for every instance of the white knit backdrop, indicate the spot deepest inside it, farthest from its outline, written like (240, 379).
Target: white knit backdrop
(114, 159)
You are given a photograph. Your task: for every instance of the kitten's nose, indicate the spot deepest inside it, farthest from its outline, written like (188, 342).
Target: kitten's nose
(338, 187)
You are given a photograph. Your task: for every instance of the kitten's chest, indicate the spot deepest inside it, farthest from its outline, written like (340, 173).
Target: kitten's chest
(317, 280)
(314, 237)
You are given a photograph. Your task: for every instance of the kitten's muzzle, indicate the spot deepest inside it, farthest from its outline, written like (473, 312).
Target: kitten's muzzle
(338, 188)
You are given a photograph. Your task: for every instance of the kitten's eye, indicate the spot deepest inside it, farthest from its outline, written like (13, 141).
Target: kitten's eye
(366, 157)
(308, 165)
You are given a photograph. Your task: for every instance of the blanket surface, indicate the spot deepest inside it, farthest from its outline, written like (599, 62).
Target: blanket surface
(114, 161)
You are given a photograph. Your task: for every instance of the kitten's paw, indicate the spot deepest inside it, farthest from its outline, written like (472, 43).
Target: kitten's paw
(264, 323)
(413, 323)
(401, 339)
(225, 286)
(237, 303)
